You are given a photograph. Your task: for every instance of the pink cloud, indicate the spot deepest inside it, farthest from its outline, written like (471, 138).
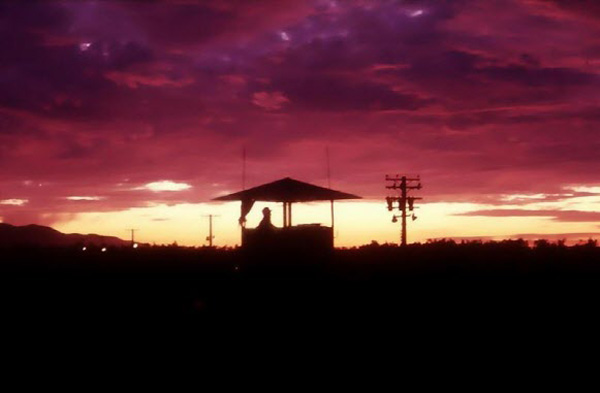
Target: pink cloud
(134, 80)
(271, 101)
(556, 215)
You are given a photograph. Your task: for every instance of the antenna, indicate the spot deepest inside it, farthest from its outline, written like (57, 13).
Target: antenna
(329, 186)
(244, 168)
(328, 167)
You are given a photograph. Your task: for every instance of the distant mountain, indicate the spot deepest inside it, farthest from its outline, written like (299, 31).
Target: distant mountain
(41, 236)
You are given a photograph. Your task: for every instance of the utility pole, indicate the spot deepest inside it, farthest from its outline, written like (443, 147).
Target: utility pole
(210, 236)
(133, 236)
(404, 184)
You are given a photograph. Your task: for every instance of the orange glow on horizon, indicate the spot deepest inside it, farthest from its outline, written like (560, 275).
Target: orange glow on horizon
(356, 223)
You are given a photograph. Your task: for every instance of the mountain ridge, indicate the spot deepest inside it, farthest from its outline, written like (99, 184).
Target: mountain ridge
(44, 236)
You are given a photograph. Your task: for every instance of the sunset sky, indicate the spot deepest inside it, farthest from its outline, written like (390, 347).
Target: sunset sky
(130, 114)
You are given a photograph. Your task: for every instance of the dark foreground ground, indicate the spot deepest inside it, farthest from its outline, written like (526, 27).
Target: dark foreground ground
(441, 283)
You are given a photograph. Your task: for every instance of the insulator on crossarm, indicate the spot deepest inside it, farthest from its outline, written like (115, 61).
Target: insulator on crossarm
(389, 203)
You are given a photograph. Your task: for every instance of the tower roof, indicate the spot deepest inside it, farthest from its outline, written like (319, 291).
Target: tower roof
(287, 190)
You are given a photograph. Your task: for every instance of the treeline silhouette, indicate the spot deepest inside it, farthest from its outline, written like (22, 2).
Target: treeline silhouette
(436, 276)
(478, 259)
(439, 257)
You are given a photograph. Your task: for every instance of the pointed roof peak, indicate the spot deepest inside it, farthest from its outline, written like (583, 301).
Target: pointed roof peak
(287, 190)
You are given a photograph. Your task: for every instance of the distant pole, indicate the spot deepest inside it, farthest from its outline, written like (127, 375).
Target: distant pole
(404, 184)
(132, 230)
(210, 233)
(210, 236)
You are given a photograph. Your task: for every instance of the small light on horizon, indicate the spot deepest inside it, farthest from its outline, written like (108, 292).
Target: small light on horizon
(416, 13)
(135, 245)
(84, 46)
(103, 249)
(84, 248)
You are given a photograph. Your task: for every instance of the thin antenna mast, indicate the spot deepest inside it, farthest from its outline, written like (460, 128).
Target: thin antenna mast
(242, 223)
(244, 168)
(328, 167)
(330, 202)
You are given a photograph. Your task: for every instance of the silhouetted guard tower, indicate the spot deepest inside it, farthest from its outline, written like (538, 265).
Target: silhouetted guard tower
(404, 184)
(287, 191)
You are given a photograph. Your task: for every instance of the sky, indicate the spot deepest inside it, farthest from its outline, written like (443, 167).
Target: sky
(130, 114)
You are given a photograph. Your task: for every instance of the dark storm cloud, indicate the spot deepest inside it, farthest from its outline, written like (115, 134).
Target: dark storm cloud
(181, 24)
(457, 77)
(327, 70)
(45, 70)
(340, 94)
(587, 8)
(43, 15)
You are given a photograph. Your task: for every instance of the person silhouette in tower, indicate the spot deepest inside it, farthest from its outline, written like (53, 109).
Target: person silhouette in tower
(265, 224)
